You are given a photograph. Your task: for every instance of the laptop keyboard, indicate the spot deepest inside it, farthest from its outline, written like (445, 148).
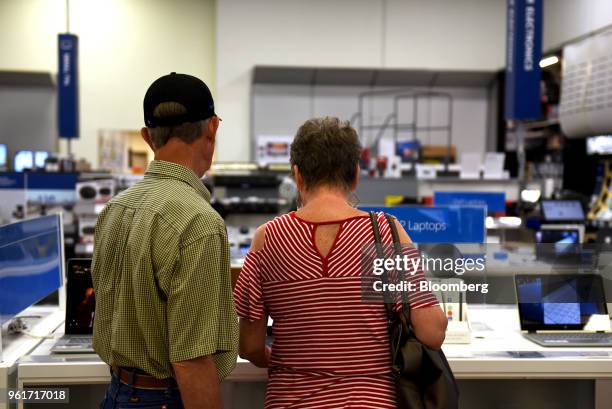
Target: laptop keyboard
(576, 337)
(80, 340)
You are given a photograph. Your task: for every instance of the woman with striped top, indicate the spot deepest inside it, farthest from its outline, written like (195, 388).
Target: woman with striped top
(330, 348)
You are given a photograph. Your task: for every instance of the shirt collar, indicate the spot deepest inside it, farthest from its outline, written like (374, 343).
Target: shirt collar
(161, 168)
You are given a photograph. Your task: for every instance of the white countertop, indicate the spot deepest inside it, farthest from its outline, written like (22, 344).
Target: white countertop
(42, 321)
(495, 331)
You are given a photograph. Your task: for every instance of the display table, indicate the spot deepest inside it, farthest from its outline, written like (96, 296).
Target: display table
(494, 354)
(42, 321)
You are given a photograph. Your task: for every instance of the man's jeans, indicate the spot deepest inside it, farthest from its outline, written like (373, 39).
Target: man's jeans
(121, 396)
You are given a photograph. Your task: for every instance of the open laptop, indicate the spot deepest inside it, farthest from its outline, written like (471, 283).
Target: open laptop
(563, 310)
(80, 309)
(555, 211)
(558, 242)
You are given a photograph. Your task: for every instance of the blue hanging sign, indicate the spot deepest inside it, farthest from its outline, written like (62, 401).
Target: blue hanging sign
(494, 201)
(68, 86)
(439, 224)
(523, 54)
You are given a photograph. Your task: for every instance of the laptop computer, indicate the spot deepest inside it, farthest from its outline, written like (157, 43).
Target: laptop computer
(563, 211)
(80, 310)
(560, 244)
(563, 310)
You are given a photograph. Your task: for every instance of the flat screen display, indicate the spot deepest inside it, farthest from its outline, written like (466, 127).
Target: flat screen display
(81, 300)
(31, 263)
(559, 237)
(560, 246)
(39, 159)
(599, 145)
(3, 155)
(24, 160)
(562, 210)
(559, 301)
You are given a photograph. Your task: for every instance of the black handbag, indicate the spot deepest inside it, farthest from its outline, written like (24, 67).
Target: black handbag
(423, 378)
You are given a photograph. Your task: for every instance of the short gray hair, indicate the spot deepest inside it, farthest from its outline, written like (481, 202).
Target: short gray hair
(187, 132)
(326, 151)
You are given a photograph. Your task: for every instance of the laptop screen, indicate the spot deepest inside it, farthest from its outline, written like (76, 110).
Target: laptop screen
(559, 237)
(559, 302)
(561, 245)
(81, 301)
(562, 210)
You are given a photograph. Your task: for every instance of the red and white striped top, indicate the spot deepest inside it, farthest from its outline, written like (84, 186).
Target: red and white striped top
(330, 348)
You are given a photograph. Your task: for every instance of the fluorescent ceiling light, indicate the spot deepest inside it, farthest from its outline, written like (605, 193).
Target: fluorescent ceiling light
(531, 195)
(545, 62)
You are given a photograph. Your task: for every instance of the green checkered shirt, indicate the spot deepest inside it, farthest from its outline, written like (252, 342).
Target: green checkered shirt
(161, 275)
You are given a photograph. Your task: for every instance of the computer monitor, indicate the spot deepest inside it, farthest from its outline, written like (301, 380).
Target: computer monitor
(80, 299)
(562, 211)
(31, 263)
(561, 244)
(23, 160)
(599, 145)
(559, 301)
(39, 159)
(3, 155)
(558, 235)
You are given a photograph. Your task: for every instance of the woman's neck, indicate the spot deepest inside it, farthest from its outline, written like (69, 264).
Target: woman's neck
(331, 197)
(327, 204)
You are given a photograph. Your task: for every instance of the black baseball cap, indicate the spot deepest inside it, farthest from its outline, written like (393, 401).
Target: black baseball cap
(187, 90)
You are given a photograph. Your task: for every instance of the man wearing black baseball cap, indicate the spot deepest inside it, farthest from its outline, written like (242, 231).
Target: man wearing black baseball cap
(165, 320)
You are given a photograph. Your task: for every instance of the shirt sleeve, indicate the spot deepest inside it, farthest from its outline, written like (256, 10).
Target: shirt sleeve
(200, 311)
(247, 293)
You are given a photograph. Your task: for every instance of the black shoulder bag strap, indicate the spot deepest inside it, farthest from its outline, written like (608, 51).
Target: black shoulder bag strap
(397, 247)
(381, 255)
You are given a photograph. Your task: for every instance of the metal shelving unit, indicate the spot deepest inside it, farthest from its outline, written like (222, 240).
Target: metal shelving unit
(391, 121)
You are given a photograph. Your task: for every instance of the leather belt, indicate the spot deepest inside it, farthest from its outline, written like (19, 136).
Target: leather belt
(142, 380)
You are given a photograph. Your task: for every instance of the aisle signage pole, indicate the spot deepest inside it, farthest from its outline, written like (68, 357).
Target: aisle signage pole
(68, 86)
(523, 54)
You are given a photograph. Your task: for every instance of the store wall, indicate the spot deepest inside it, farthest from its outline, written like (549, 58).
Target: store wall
(433, 34)
(27, 119)
(567, 19)
(124, 46)
(281, 109)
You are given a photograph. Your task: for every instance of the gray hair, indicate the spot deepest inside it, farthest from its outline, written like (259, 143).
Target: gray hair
(326, 151)
(187, 132)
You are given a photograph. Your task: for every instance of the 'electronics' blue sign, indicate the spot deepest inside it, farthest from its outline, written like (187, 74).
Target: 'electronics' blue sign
(523, 54)
(68, 86)
(493, 201)
(439, 224)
